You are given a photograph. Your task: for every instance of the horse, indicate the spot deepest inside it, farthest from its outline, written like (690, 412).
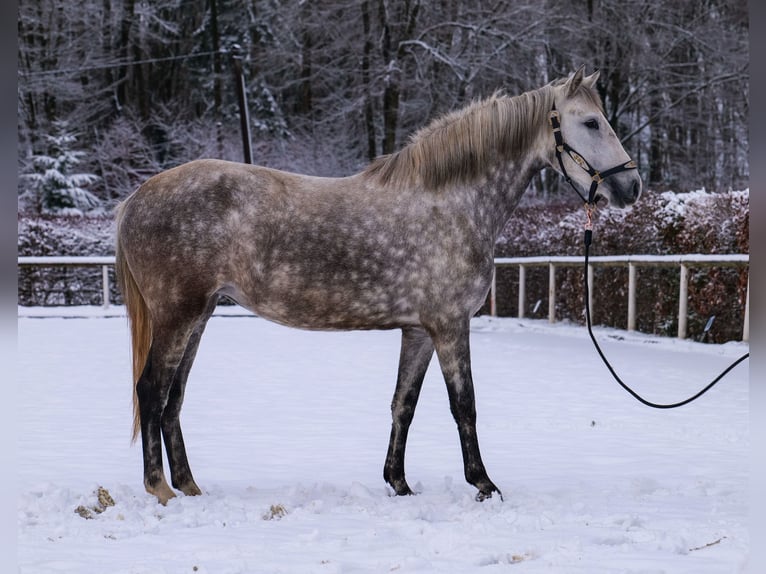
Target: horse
(407, 243)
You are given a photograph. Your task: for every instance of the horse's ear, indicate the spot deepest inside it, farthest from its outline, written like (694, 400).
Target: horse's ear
(590, 81)
(574, 81)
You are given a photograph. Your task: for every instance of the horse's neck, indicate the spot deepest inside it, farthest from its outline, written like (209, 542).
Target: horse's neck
(505, 182)
(497, 198)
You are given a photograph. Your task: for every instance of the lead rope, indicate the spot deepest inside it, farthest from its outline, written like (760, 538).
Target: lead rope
(639, 398)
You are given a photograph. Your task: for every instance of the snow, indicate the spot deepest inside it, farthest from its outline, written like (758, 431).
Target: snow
(677, 205)
(287, 431)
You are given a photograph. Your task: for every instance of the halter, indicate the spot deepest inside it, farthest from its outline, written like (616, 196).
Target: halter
(596, 176)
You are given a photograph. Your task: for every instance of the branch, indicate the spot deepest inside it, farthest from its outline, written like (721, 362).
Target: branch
(713, 81)
(437, 55)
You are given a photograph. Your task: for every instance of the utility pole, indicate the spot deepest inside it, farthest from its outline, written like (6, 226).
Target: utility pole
(244, 114)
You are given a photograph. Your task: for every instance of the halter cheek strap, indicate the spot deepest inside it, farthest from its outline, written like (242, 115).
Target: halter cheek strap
(596, 176)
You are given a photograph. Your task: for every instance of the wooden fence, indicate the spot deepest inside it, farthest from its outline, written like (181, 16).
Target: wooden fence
(683, 262)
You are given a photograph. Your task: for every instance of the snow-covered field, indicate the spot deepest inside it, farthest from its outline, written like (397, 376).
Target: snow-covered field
(287, 432)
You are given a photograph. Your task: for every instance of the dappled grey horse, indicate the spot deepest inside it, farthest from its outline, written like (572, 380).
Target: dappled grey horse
(408, 243)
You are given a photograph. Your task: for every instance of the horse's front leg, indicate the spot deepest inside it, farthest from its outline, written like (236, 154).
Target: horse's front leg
(416, 352)
(453, 350)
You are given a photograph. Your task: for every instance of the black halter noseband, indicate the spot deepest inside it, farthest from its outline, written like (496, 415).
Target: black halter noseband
(596, 176)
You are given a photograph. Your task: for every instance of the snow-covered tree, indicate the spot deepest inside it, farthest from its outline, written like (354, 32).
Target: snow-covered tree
(53, 185)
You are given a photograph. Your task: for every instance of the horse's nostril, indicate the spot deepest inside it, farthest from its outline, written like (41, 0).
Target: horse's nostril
(636, 190)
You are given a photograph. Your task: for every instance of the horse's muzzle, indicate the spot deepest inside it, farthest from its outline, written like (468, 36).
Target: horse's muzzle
(624, 193)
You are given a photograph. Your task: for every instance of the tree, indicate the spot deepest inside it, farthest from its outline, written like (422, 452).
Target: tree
(53, 186)
(333, 83)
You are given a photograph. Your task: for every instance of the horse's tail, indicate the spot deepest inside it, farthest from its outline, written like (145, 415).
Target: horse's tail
(138, 318)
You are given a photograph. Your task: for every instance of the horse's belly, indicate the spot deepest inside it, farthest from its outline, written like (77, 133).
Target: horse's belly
(347, 294)
(330, 309)
(335, 321)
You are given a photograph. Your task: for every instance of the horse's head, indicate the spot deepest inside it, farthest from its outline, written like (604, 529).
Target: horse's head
(583, 146)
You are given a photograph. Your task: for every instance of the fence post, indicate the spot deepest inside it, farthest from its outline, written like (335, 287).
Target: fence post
(683, 294)
(493, 293)
(631, 297)
(522, 290)
(746, 326)
(551, 293)
(105, 285)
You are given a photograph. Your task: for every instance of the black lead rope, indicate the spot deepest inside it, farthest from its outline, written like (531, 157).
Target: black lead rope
(596, 178)
(635, 395)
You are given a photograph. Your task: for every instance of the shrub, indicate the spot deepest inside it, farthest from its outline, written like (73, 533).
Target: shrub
(659, 224)
(40, 286)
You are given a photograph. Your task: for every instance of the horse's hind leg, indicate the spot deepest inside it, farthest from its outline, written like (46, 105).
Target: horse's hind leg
(417, 350)
(153, 390)
(452, 347)
(169, 341)
(180, 472)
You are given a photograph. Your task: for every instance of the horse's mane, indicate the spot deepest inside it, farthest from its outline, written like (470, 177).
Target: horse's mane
(455, 148)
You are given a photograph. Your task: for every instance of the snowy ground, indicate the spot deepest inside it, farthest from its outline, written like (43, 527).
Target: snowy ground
(287, 431)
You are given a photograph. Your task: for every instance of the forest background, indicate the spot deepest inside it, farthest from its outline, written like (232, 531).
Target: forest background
(112, 91)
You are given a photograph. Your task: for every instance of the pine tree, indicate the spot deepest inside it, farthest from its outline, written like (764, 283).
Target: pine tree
(53, 186)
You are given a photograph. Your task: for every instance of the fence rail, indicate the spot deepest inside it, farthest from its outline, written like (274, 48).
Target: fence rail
(683, 262)
(105, 262)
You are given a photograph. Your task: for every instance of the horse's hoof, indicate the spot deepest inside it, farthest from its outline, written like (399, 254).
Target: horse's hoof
(406, 491)
(483, 495)
(163, 495)
(401, 488)
(190, 489)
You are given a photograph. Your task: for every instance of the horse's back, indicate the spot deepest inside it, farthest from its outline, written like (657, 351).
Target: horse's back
(202, 202)
(309, 252)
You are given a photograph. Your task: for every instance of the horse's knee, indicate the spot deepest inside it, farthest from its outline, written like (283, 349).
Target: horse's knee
(463, 409)
(402, 413)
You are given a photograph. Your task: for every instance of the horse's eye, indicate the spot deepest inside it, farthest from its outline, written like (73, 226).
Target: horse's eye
(591, 124)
